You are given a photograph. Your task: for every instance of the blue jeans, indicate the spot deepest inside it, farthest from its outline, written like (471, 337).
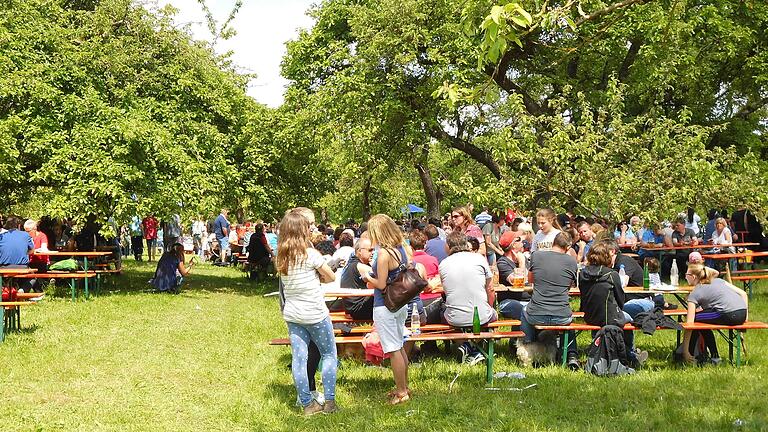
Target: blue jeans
(527, 323)
(636, 306)
(322, 335)
(512, 309)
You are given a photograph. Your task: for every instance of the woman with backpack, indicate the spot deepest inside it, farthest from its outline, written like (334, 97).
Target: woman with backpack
(391, 253)
(302, 269)
(602, 298)
(712, 301)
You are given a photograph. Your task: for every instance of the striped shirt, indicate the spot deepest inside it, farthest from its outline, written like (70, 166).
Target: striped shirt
(304, 300)
(482, 219)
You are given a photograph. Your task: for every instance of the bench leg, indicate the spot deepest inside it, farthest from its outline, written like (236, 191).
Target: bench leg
(565, 348)
(489, 363)
(738, 348)
(72, 288)
(2, 329)
(730, 346)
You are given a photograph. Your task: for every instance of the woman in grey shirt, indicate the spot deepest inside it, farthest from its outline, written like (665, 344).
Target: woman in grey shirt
(712, 301)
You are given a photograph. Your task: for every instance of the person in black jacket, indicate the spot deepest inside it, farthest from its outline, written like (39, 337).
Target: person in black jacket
(260, 254)
(602, 297)
(634, 304)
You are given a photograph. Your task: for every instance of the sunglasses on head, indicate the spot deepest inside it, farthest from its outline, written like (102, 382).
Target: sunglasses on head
(455, 216)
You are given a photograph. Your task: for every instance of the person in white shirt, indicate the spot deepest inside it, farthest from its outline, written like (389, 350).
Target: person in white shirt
(302, 270)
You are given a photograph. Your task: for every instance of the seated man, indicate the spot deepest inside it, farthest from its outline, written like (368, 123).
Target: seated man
(554, 272)
(467, 281)
(435, 246)
(358, 264)
(15, 245)
(511, 304)
(468, 284)
(170, 271)
(586, 237)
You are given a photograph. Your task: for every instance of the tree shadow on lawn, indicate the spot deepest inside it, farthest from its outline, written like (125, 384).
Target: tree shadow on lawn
(132, 283)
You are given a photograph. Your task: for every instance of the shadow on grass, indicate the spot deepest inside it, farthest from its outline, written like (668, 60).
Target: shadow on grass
(135, 280)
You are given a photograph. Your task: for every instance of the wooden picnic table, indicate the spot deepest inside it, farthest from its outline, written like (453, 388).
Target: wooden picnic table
(85, 255)
(738, 255)
(11, 272)
(696, 246)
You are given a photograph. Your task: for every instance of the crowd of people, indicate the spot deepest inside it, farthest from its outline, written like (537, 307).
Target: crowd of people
(463, 258)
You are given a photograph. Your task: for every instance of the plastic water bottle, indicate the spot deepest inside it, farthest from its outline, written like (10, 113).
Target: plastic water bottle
(674, 278)
(622, 275)
(415, 320)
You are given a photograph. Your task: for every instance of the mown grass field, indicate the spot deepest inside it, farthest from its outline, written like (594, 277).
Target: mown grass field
(133, 360)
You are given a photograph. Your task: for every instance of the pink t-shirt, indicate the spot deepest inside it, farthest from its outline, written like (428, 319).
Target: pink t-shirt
(432, 267)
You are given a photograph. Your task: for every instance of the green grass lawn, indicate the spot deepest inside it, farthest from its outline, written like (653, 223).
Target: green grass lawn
(132, 360)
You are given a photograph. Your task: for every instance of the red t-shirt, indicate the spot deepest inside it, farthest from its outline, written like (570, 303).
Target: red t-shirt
(38, 241)
(150, 228)
(430, 264)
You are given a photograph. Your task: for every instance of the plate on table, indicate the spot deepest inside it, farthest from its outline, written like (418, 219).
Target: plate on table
(665, 287)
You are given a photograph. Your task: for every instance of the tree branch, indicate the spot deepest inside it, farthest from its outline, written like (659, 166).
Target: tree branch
(476, 153)
(607, 10)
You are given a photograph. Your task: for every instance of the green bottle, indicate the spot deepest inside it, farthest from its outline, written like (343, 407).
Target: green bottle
(476, 322)
(646, 278)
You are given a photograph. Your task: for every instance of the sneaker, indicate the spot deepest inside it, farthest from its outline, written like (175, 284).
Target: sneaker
(715, 361)
(316, 395)
(463, 352)
(475, 358)
(330, 407)
(641, 356)
(573, 364)
(670, 306)
(313, 408)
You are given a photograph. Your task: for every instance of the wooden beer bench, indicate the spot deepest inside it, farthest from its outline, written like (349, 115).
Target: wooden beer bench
(71, 276)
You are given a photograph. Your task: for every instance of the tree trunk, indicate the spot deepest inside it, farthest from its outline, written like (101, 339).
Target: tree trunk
(430, 191)
(367, 198)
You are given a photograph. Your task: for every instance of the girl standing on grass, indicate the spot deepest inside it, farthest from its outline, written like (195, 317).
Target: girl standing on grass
(302, 270)
(391, 251)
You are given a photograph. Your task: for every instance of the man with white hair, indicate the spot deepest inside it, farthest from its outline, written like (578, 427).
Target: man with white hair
(40, 242)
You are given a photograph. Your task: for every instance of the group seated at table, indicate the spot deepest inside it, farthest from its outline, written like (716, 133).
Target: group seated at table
(461, 276)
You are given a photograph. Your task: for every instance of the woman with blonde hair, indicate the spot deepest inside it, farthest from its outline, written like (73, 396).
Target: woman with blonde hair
(548, 230)
(712, 301)
(391, 253)
(302, 269)
(461, 220)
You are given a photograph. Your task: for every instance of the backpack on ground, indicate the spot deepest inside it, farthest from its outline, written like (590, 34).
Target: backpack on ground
(607, 354)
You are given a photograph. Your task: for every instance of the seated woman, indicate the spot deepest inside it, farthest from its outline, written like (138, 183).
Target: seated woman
(602, 297)
(723, 238)
(260, 254)
(512, 265)
(171, 271)
(712, 301)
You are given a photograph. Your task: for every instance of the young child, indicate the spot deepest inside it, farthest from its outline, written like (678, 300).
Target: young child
(653, 271)
(695, 258)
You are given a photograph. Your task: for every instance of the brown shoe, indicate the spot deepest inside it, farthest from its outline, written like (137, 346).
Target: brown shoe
(330, 407)
(313, 408)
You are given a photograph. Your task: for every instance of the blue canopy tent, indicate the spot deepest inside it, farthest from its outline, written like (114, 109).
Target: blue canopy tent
(412, 208)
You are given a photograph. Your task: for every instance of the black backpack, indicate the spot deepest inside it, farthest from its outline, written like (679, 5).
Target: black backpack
(607, 354)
